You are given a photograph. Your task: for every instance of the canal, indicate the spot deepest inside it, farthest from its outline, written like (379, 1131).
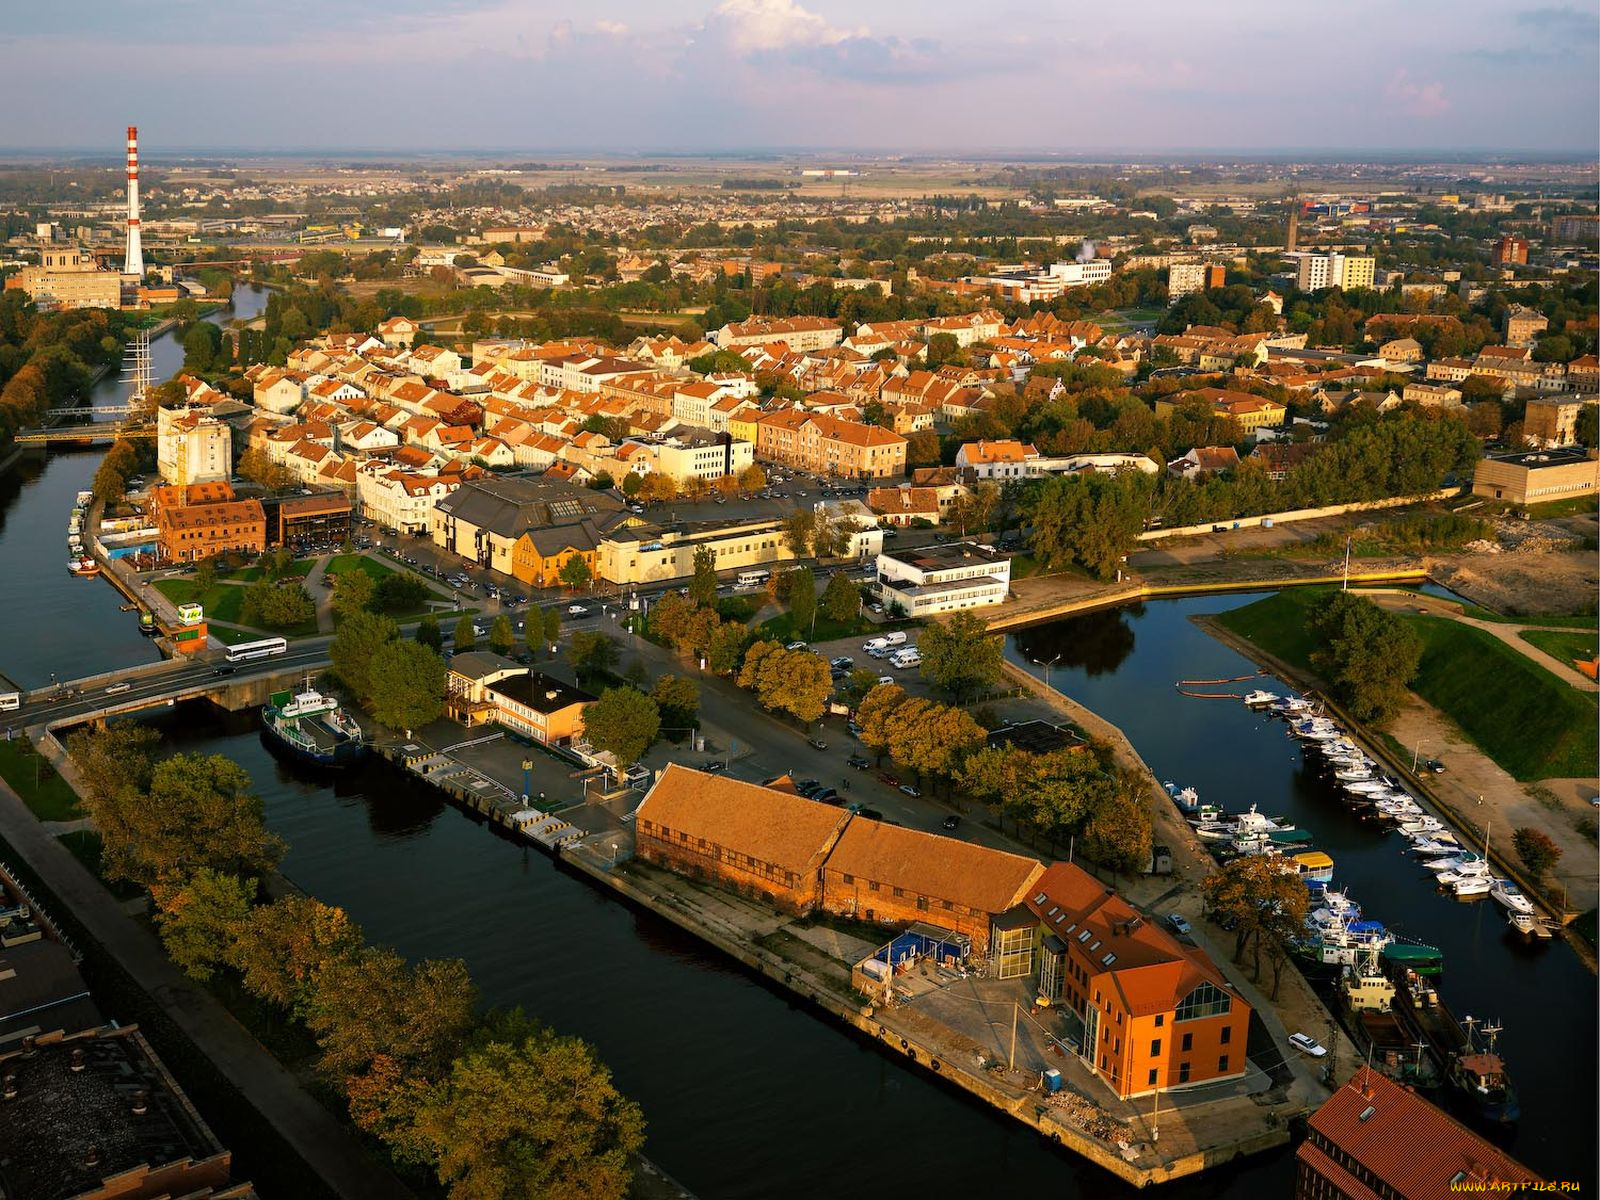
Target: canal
(62, 625)
(1123, 665)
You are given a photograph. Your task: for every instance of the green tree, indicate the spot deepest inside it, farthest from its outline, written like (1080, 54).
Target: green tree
(624, 721)
(114, 763)
(281, 949)
(525, 1113)
(802, 601)
(797, 529)
(200, 918)
(466, 637)
(1118, 834)
(552, 626)
(853, 688)
(1367, 654)
(792, 681)
(353, 592)
(429, 634)
(355, 645)
(281, 605)
(533, 631)
(575, 573)
(198, 812)
(593, 654)
(678, 698)
(725, 648)
(841, 599)
(400, 592)
(407, 682)
(703, 587)
(200, 347)
(1091, 519)
(501, 636)
(205, 574)
(960, 656)
(1537, 850)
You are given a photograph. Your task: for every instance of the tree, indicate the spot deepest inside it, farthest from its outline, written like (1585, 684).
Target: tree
(960, 656)
(407, 681)
(797, 530)
(853, 689)
(624, 721)
(592, 653)
(114, 764)
(205, 574)
(399, 592)
(1367, 654)
(525, 1113)
(792, 681)
(255, 466)
(198, 812)
(429, 635)
(501, 635)
(281, 605)
(200, 918)
(802, 601)
(657, 487)
(1118, 835)
(357, 642)
(465, 637)
(200, 347)
(841, 599)
(1266, 904)
(874, 714)
(703, 586)
(281, 948)
(678, 698)
(552, 626)
(724, 649)
(1090, 518)
(575, 572)
(1537, 850)
(353, 592)
(753, 478)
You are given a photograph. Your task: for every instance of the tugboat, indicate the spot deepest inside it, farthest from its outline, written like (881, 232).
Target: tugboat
(1480, 1075)
(313, 728)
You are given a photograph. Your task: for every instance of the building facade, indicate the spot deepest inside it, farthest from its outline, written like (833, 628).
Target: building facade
(828, 445)
(937, 579)
(189, 529)
(69, 278)
(192, 446)
(1537, 476)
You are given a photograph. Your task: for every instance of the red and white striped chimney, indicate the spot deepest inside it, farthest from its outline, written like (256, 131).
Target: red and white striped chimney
(133, 260)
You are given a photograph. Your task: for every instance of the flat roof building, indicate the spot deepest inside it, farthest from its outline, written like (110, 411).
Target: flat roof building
(1537, 476)
(936, 579)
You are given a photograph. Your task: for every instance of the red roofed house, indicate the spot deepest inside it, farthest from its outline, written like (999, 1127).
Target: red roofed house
(996, 460)
(1205, 460)
(1157, 1012)
(1376, 1138)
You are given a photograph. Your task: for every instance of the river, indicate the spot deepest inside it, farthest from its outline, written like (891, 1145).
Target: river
(64, 626)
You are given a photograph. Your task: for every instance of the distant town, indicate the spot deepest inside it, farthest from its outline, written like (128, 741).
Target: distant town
(872, 576)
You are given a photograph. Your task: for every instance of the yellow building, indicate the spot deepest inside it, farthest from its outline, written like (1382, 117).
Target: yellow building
(1250, 411)
(1537, 476)
(69, 279)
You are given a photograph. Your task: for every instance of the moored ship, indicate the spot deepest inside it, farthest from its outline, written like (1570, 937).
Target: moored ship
(313, 728)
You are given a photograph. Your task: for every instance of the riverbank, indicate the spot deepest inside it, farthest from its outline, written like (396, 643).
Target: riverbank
(1455, 796)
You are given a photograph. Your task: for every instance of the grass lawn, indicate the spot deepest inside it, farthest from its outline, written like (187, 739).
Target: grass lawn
(52, 799)
(1278, 623)
(348, 562)
(1526, 719)
(222, 601)
(1568, 647)
(781, 629)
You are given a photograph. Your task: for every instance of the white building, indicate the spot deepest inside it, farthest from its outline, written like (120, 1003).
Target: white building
(192, 446)
(1347, 271)
(398, 499)
(928, 580)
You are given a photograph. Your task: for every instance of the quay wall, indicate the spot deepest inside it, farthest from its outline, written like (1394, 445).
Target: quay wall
(1297, 514)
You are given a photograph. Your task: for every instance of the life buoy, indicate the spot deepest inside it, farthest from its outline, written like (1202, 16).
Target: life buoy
(934, 1063)
(904, 1044)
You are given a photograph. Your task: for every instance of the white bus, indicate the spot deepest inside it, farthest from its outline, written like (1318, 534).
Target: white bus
(751, 579)
(10, 701)
(266, 646)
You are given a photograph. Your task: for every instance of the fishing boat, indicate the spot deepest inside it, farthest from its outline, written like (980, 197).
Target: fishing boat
(1480, 1074)
(1259, 699)
(1185, 798)
(1415, 956)
(1510, 896)
(83, 565)
(1226, 828)
(313, 728)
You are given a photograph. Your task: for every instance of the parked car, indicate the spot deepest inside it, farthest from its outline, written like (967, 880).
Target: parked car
(857, 763)
(1434, 765)
(908, 790)
(796, 646)
(891, 780)
(1307, 1044)
(883, 679)
(844, 660)
(715, 767)
(817, 743)
(1178, 923)
(870, 814)
(952, 822)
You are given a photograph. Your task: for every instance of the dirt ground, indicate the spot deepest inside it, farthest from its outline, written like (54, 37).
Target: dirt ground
(1522, 583)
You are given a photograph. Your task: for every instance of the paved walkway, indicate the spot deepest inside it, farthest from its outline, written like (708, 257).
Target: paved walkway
(326, 1146)
(322, 595)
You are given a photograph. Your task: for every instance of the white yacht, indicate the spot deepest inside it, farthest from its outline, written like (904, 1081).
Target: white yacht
(1259, 699)
(1509, 895)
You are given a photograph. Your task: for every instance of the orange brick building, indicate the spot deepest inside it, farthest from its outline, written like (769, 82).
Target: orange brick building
(204, 519)
(887, 873)
(830, 446)
(1157, 1012)
(765, 843)
(1376, 1138)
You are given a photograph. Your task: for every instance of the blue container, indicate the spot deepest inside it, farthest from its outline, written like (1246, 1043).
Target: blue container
(1052, 1080)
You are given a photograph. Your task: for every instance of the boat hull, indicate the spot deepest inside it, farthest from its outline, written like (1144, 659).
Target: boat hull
(338, 757)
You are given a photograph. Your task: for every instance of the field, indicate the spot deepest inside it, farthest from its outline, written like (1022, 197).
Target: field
(51, 799)
(221, 601)
(1531, 723)
(1568, 647)
(340, 563)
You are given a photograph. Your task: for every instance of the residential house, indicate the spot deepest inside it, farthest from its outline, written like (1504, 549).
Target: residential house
(484, 688)
(829, 445)
(996, 459)
(904, 504)
(1204, 460)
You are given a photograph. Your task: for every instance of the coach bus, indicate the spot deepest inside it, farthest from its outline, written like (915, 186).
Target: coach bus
(261, 649)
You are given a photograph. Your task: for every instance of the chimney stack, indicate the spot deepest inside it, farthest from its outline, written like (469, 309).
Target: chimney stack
(133, 259)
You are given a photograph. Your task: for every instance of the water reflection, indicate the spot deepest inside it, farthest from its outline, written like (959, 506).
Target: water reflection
(1095, 643)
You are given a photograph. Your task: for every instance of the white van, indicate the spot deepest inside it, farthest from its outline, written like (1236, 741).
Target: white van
(897, 638)
(876, 644)
(905, 658)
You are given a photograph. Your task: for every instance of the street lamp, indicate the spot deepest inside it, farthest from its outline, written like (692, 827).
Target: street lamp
(1046, 666)
(1416, 755)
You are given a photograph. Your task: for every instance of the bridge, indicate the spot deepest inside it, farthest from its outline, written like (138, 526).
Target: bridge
(94, 431)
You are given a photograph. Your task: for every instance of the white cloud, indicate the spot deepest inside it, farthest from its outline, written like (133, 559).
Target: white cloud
(751, 26)
(612, 28)
(1416, 99)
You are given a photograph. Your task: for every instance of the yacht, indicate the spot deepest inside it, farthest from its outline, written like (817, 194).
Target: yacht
(1464, 860)
(1509, 895)
(1469, 885)
(1294, 707)
(1434, 845)
(1316, 729)
(1259, 699)
(1250, 822)
(1420, 824)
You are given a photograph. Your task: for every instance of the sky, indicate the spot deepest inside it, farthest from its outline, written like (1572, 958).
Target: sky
(956, 76)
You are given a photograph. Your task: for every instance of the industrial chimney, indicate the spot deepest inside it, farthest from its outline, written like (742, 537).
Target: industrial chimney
(133, 260)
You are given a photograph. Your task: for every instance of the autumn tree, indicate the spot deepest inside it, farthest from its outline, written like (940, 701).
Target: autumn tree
(797, 529)
(255, 466)
(792, 681)
(1118, 834)
(523, 1112)
(960, 656)
(624, 721)
(114, 763)
(874, 714)
(1267, 905)
(1537, 850)
(281, 949)
(752, 478)
(199, 919)
(1367, 654)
